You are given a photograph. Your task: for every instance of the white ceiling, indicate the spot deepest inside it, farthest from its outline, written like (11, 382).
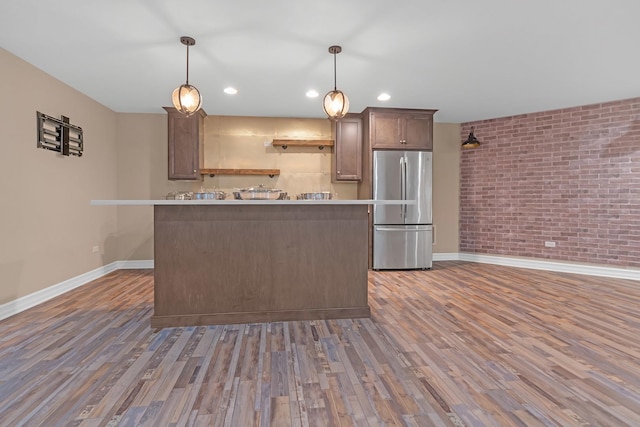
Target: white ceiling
(469, 59)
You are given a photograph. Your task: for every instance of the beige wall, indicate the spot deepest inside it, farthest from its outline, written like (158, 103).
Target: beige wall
(142, 174)
(446, 187)
(47, 227)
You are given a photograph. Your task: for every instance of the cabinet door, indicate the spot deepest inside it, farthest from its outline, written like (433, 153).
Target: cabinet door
(385, 130)
(347, 156)
(418, 132)
(184, 145)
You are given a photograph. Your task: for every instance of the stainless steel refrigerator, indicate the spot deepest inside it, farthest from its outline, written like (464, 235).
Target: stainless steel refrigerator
(402, 234)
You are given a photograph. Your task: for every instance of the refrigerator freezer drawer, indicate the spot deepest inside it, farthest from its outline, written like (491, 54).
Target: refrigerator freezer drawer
(402, 247)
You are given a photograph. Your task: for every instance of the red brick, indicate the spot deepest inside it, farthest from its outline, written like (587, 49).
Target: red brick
(569, 175)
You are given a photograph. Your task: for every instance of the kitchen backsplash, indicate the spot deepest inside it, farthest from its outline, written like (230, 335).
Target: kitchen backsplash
(245, 143)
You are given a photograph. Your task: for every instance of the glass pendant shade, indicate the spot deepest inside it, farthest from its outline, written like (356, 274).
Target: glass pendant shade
(186, 99)
(336, 104)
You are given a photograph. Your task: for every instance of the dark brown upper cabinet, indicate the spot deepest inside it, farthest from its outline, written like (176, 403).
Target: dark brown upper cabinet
(346, 162)
(400, 129)
(186, 144)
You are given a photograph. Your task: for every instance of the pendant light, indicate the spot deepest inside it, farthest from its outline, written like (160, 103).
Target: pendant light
(336, 103)
(186, 98)
(472, 141)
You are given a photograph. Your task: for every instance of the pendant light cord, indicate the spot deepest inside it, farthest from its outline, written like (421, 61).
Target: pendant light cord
(335, 84)
(187, 65)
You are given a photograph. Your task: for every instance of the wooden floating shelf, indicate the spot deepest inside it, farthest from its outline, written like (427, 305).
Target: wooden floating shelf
(320, 143)
(213, 172)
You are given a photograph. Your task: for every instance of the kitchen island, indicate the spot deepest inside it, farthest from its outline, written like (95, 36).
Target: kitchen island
(236, 261)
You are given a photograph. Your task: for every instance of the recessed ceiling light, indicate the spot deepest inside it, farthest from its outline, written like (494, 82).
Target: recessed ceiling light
(312, 94)
(230, 90)
(384, 97)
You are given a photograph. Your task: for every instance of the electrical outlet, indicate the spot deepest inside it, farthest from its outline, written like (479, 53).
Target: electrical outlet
(267, 143)
(549, 244)
(95, 249)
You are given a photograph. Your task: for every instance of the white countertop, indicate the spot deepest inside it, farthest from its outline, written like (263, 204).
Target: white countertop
(248, 202)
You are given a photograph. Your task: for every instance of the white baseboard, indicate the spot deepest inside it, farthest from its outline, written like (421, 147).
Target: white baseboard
(129, 265)
(454, 256)
(561, 267)
(16, 306)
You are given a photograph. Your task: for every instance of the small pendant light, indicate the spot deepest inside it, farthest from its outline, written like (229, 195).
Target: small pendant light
(336, 103)
(186, 98)
(472, 141)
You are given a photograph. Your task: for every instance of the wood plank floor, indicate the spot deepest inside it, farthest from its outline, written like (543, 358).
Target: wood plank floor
(462, 345)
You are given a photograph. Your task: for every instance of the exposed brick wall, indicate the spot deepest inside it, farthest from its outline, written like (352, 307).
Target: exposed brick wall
(571, 176)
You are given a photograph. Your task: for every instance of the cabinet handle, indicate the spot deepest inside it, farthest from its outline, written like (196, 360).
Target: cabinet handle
(194, 171)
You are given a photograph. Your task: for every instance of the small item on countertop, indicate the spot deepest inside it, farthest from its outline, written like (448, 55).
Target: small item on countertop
(210, 195)
(260, 193)
(179, 195)
(318, 195)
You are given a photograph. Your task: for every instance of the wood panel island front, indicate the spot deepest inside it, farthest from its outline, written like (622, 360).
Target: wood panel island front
(245, 261)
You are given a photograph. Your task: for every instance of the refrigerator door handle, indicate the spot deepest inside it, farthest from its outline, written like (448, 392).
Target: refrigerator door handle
(403, 188)
(404, 193)
(401, 229)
